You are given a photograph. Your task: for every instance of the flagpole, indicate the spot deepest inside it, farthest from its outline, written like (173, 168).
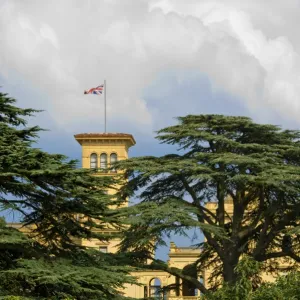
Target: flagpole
(104, 106)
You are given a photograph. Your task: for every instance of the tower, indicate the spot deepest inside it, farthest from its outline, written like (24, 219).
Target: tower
(99, 151)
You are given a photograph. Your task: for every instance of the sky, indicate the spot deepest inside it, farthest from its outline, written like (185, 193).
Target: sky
(160, 58)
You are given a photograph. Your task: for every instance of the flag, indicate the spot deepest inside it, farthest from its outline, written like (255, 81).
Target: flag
(96, 91)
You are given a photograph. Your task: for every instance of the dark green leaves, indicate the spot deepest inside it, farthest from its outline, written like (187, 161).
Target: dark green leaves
(61, 205)
(250, 171)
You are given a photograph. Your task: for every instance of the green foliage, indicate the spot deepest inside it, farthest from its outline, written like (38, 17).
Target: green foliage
(50, 191)
(228, 161)
(52, 195)
(14, 298)
(246, 271)
(286, 287)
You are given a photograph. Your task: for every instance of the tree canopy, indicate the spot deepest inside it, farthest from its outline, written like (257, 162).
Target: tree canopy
(285, 287)
(228, 161)
(61, 205)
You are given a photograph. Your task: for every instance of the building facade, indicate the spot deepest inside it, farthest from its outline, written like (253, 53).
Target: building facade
(100, 150)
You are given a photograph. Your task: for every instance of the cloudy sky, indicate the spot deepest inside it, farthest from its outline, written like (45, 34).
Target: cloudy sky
(160, 58)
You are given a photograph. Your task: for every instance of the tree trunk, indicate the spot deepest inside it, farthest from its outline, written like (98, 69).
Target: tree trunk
(229, 264)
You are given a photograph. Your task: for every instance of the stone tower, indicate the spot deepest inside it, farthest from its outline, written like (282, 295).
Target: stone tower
(99, 151)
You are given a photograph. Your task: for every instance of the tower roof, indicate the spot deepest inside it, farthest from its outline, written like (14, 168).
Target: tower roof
(80, 137)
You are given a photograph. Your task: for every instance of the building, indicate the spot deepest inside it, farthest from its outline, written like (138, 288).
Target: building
(99, 150)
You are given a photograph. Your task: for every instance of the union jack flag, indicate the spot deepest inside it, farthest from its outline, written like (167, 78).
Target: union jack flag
(96, 91)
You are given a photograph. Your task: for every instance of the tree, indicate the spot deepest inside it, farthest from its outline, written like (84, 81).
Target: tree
(220, 159)
(61, 205)
(29, 269)
(247, 270)
(285, 287)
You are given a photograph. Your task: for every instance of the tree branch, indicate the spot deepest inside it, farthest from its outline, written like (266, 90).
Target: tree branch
(202, 218)
(160, 265)
(278, 255)
(266, 239)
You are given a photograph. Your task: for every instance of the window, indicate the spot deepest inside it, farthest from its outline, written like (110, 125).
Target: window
(145, 291)
(155, 288)
(93, 161)
(103, 161)
(113, 159)
(103, 249)
(201, 279)
(177, 291)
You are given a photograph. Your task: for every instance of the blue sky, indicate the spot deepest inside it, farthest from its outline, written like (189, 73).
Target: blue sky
(161, 59)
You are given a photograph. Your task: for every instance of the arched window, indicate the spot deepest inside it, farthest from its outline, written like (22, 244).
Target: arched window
(113, 159)
(177, 284)
(155, 288)
(188, 288)
(201, 280)
(93, 161)
(103, 161)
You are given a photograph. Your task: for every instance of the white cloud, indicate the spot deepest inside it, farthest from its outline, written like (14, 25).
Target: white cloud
(48, 33)
(247, 48)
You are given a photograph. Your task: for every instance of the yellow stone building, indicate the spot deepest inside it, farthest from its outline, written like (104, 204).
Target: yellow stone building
(99, 150)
